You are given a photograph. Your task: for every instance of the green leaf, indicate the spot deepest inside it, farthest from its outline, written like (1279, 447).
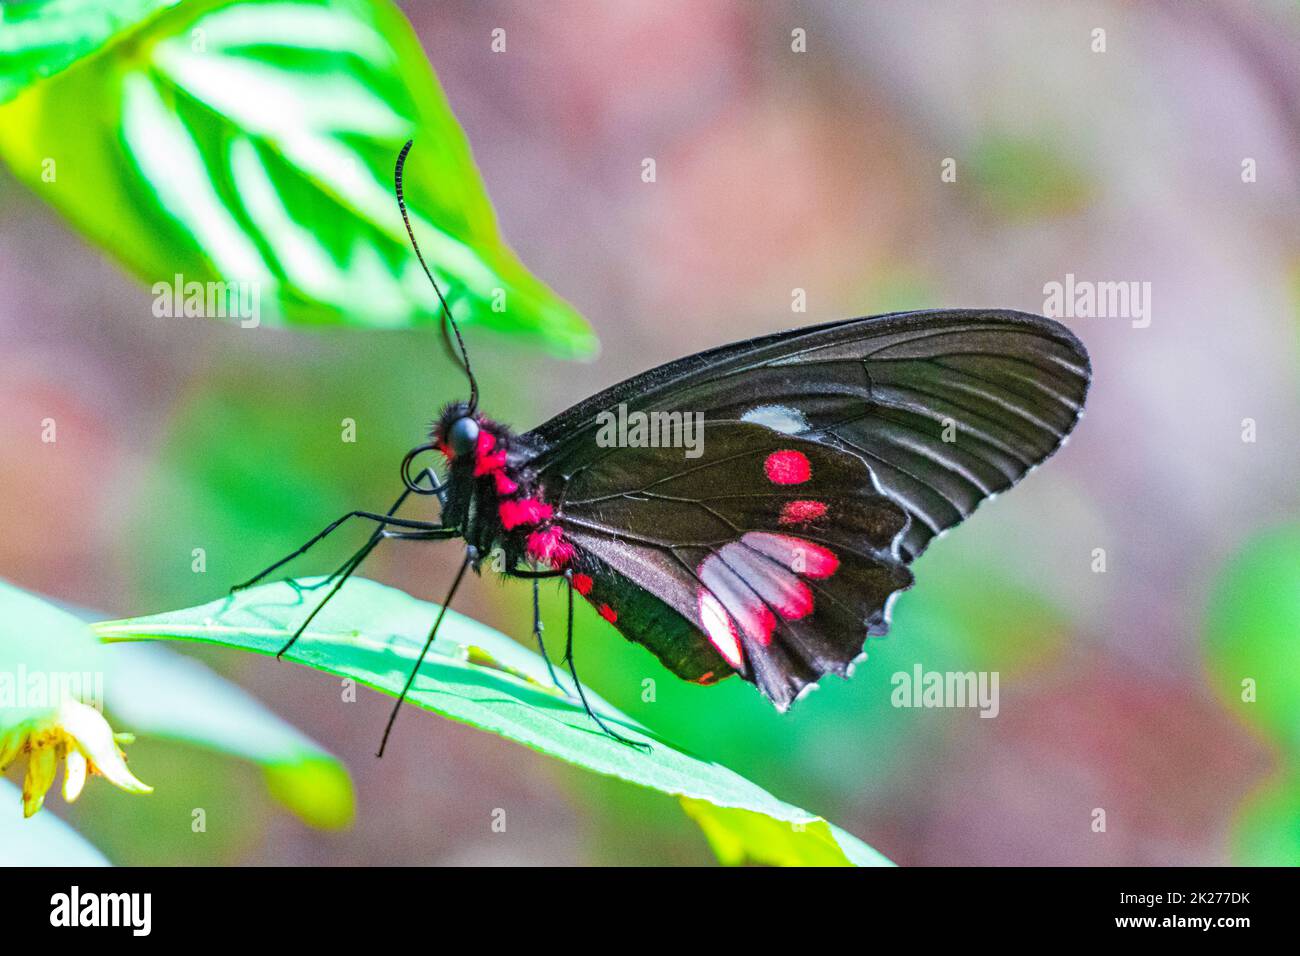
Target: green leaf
(478, 676)
(150, 691)
(44, 840)
(742, 836)
(253, 144)
(38, 39)
(1252, 655)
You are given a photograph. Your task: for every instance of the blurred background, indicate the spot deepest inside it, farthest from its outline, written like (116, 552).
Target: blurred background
(776, 170)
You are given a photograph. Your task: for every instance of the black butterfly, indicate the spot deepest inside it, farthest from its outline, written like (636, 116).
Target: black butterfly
(830, 457)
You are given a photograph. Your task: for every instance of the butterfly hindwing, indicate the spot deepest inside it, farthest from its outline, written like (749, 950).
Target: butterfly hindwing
(635, 607)
(777, 552)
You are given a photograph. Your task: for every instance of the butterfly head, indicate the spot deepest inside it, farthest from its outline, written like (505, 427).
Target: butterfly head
(471, 443)
(462, 436)
(456, 433)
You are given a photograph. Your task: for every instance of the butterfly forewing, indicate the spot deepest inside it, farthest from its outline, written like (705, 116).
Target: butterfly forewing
(946, 407)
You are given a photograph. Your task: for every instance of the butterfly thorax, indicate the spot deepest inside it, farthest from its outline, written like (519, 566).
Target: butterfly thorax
(494, 498)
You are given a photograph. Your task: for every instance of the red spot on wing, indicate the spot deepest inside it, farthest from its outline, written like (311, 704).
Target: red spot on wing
(523, 511)
(608, 613)
(787, 467)
(801, 512)
(582, 583)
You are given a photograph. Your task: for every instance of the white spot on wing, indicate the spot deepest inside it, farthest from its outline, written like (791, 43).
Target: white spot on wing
(781, 418)
(718, 626)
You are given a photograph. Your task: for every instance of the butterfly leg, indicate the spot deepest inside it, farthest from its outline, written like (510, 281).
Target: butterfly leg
(385, 519)
(470, 554)
(352, 564)
(348, 566)
(577, 684)
(340, 576)
(537, 633)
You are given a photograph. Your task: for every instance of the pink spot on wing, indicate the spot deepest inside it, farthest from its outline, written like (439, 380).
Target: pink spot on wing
(523, 511)
(779, 586)
(608, 613)
(793, 601)
(582, 583)
(801, 512)
(720, 628)
(748, 609)
(787, 468)
(548, 546)
(801, 556)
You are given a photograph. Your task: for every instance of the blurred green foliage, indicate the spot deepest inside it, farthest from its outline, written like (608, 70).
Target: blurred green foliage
(1251, 635)
(1267, 827)
(162, 695)
(246, 476)
(1253, 663)
(375, 635)
(1025, 177)
(254, 142)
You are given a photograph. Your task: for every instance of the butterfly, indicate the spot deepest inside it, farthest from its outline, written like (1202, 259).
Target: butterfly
(821, 462)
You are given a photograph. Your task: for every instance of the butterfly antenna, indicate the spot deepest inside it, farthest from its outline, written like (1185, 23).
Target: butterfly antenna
(446, 310)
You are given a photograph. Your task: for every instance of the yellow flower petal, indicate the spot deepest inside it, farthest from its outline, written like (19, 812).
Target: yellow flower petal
(73, 731)
(74, 775)
(11, 745)
(94, 738)
(40, 775)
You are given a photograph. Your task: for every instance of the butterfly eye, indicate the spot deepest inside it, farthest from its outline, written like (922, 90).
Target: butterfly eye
(463, 435)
